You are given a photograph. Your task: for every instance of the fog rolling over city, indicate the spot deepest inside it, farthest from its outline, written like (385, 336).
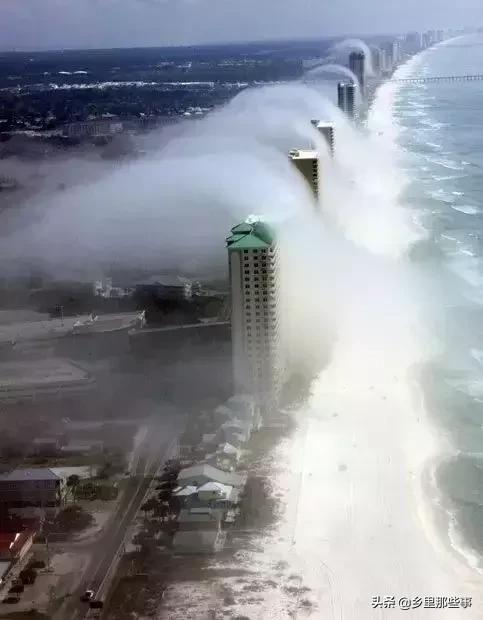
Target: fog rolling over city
(176, 204)
(174, 207)
(352, 299)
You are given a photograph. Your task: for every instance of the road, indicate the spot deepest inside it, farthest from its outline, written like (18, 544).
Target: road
(105, 552)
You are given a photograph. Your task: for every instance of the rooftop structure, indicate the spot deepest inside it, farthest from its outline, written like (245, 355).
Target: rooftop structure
(30, 487)
(33, 474)
(256, 344)
(307, 163)
(357, 64)
(326, 130)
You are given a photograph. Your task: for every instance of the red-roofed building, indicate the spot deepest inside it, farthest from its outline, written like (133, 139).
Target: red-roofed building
(14, 545)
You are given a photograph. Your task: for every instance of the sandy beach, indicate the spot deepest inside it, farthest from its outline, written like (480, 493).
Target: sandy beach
(358, 522)
(359, 535)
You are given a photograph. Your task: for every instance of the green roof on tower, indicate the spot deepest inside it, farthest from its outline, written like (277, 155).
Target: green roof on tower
(250, 236)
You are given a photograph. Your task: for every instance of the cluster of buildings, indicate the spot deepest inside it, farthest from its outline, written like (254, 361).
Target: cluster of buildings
(385, 58)
(258, 363)
(108, 125)
(29, 496)
(209, 485)
(259, 367)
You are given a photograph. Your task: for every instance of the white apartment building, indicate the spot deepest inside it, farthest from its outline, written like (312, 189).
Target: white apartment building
(257, 349)
(307, 163)
(327, 131)
(346, 98)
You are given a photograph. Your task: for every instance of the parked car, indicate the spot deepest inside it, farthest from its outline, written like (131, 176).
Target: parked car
(16, 589)
(11, 600)
(96, 604)
(87, 596)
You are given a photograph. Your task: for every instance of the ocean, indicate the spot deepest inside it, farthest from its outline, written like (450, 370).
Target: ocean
(440, 132)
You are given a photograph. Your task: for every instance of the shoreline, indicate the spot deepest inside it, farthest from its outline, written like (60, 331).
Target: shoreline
(439, 517)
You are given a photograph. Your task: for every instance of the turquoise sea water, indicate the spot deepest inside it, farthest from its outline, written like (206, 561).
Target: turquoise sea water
(441, 132)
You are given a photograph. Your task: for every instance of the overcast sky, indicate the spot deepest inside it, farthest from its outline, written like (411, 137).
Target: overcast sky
(41, 24)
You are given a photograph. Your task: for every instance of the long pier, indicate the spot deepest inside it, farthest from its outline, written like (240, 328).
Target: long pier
(440, 78)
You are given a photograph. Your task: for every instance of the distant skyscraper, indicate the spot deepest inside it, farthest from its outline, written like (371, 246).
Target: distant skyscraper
(386, 64)
(377, 61)
(327, 130)
(346, 98)
(413, 42)
(357, 64)
(396, 53)
(258, 365)
(307, 163)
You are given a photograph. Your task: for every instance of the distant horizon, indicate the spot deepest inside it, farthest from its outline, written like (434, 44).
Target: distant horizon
(206, 44)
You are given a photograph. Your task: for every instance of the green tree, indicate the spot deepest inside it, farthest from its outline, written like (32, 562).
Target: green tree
(73, 483)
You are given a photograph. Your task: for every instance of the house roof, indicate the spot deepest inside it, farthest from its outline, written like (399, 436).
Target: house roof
(196, 540)
(200, 515)
(12, 542)
(303, 154)
(239, 405)
(45, 440)
(215, 486)
(223, 410)
(4, 567)
(79, 445)
(236, 423)
(212, 473)
(241, 398)
(230, 435)
(163, 280)
(227, 448)
(185, 491)
(20, 475)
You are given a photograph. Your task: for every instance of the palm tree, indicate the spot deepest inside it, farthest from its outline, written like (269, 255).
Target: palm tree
(73, 483)
(149, 506)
